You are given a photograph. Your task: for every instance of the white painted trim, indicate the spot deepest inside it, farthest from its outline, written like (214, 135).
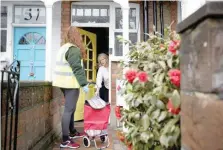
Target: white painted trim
(111, 30)
(179, 12)
(9, 46)
(28, 25)
(92, 3)
(31, 2)
(90, 24)
(48, 56)
(130, 30)
(116, 58)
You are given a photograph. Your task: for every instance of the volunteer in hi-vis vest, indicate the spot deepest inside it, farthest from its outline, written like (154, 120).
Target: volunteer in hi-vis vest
(69, 76)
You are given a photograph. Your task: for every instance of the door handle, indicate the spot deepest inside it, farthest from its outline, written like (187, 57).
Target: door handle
(31, 74)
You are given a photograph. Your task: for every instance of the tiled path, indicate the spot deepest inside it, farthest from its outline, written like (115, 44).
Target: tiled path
(115, 144)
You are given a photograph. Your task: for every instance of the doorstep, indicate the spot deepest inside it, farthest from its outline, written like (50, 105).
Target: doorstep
(115, 144)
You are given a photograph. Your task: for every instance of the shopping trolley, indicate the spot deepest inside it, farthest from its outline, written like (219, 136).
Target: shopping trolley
(96, 118)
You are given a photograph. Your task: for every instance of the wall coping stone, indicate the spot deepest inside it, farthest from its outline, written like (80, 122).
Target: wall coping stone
(34, 83)
(31, 83)
(209, 10)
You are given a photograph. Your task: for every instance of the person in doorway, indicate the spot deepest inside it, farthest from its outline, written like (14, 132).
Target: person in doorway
(69, 76)
(103, 77)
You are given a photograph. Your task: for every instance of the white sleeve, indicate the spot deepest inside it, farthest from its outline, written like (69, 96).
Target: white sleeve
(99, 78)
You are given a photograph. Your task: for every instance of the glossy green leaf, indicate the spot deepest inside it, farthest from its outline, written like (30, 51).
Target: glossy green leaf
(162, 116)
(164, 140)
(170, 63)
(145, 136)
(145, 121)
(161, 77)
(175, 99)
(162, 64)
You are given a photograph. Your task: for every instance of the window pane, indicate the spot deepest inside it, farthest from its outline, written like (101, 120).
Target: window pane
(85, 64)
(90, 14)
(90, 65)
(132, 18)
(3, 40)
(118, 45)
(32, 38)
(30, 14)
(133, 37)
(118, 18)
(41, 41)
(29, 37)
(90, 75)
(3, 17)
(90, 55)
(36, 37)
(23, 41)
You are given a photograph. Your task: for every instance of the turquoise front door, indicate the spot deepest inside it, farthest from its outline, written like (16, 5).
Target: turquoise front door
(29, 49)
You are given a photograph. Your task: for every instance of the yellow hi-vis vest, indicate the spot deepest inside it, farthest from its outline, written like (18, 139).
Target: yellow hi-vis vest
(63, 75)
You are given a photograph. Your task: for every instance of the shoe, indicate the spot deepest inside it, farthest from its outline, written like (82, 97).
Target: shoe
(69, 144)
(76, 135)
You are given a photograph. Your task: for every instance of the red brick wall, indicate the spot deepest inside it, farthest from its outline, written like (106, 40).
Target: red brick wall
(65, 17)
(174, 12)
(39, 116)
(169, 15)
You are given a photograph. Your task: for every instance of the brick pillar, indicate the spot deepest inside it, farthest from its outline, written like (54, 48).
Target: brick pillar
(173, 14)
(202, 78)
(65, 17)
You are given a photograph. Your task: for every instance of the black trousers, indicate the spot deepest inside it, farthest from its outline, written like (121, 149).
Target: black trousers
(104, 93)
(71, 97)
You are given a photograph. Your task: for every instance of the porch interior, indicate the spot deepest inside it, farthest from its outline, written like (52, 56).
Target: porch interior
(102, 34)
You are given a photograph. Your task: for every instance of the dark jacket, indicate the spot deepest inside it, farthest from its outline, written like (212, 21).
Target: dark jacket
(73, 56)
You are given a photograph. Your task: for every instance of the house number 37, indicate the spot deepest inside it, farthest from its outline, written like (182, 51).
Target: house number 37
(29, 14)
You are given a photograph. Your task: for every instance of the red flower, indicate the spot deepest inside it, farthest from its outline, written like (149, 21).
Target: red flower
(118, 88)
(130, 75)
(130, 147)
(171, 108)
(173, 46)
(174, 72)
(118, 111)
(174, 75)
(175, 80)
(143, 77)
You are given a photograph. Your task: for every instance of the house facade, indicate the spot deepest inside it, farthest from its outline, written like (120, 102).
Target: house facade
(32, 32)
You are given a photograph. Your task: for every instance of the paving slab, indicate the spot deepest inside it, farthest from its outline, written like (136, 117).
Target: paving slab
(115, 144)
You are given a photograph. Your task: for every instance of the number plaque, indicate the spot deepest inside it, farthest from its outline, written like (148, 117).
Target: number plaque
(30, 15)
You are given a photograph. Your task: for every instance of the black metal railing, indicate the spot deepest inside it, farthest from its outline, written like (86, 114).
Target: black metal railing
(10, 100)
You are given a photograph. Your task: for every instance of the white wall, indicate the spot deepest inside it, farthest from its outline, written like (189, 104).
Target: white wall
(190, 6)
(56, 39)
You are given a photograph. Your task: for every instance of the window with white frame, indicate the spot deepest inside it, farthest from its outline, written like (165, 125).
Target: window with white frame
(133, 28)
(90, 14)
(4, 17)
